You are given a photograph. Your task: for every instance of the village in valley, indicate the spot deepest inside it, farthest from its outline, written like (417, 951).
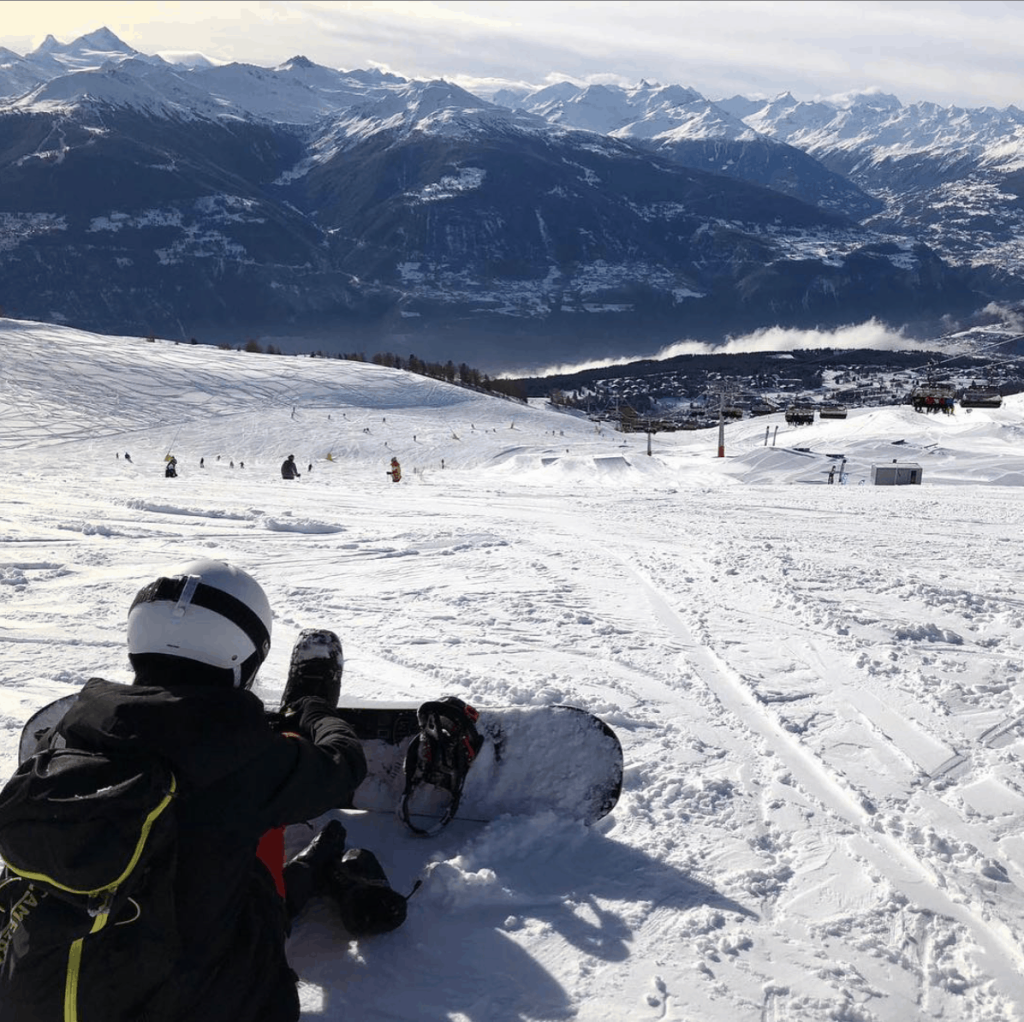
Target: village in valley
(697, 391)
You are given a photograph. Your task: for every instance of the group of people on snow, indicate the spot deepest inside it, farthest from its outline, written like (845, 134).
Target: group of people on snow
(289, 470)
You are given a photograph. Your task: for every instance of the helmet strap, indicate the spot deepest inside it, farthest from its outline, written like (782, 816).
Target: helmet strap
(187, 592)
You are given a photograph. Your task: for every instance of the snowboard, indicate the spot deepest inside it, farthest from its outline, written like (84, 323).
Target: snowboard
(40, 722)
(534, 759)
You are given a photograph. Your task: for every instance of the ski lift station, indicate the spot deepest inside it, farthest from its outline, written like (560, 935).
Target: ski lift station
(896, 474)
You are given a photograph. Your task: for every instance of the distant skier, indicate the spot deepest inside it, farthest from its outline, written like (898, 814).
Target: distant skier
(127, 456)
(289, 470)
(395, 471)
(171, 472)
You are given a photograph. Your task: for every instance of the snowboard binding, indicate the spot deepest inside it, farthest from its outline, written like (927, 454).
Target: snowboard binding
(440, 756)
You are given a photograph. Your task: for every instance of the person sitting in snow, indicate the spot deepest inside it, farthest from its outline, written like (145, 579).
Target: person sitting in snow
(289, 470)
(196, 639)
(171, 471)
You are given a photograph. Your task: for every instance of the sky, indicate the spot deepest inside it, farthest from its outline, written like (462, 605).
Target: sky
(951, 53)
(819, 689)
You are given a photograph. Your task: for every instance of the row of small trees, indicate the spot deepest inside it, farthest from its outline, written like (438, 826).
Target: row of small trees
(462, 374)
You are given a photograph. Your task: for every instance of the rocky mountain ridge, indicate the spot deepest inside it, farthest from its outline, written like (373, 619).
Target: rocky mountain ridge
(315, 207)
(950, 176)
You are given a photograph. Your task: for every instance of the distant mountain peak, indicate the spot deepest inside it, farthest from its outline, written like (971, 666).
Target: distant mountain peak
(873, 99)
(100, 41)
(103, 39)
(298, 61)
(48, 45)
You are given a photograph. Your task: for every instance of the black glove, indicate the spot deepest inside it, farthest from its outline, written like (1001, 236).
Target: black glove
(310, 711)
(321, 723)
(298, 717)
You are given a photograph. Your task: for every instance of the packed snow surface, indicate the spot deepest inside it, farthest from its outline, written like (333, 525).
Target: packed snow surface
(819, 688)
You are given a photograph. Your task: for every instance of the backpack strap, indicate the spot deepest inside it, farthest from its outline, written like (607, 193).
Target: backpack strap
(105, 811)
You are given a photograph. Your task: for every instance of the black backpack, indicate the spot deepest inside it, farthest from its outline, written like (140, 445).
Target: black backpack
(87, 923)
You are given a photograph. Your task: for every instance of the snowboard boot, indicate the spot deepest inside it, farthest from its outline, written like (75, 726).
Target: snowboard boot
(307, 873)
(315, 670)
(366, 901)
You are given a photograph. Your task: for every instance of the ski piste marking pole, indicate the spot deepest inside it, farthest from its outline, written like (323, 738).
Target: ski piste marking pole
(721, 424)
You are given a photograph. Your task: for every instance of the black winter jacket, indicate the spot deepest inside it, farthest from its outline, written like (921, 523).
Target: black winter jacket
(238, 778)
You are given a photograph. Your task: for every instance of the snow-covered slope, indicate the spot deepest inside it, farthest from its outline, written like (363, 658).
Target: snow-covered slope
(99, 66)
(879, 125)
(947, 173)
(646, 111)
(134, 84)
(819, 688)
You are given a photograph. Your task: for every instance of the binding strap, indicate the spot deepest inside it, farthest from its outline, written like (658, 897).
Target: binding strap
(440, 756)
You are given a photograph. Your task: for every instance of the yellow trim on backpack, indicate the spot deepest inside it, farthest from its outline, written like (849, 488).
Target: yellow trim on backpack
(147, 826)
(74, 970)
(71, 982)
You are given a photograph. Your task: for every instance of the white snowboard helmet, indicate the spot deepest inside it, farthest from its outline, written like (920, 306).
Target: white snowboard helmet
(207, 612)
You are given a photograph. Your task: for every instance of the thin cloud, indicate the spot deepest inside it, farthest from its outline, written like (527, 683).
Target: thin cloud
(872, 334)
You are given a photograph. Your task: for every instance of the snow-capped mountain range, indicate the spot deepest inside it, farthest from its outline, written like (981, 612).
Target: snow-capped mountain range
(371, 212)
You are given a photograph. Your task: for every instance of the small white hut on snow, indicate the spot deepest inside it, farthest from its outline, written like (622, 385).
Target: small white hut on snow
(896, 474)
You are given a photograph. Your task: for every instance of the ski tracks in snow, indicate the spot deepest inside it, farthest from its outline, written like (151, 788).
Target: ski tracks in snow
(865, 763)
(820, 836)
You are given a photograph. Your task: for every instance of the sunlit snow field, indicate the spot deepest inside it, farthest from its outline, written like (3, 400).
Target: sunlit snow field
(819, 689)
